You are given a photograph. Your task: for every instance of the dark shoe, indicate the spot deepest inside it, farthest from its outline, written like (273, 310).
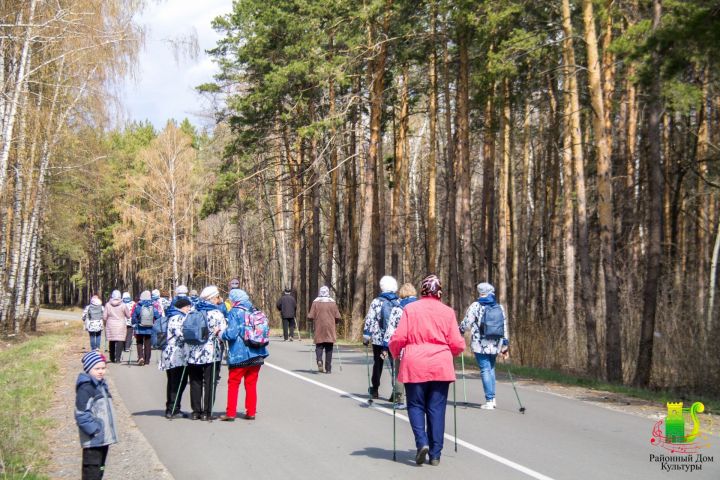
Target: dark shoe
(225, 418)
(421, 455)
(196, 416)
(434, 462)
(327, 371)
(168, 415)
(291, 339)
(207, 418)
(249, 417)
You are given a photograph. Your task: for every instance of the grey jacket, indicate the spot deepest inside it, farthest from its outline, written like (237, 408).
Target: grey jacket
(94, 412)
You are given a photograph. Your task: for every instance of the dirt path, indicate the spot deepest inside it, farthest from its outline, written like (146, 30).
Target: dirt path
(131, 459)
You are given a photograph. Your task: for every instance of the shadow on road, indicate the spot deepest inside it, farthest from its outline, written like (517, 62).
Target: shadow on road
(406, 457)
(149, 413)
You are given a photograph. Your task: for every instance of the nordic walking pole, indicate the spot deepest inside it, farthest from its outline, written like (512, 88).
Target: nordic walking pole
(394, 380)
(462, 363)
(214, 376)
(367, 365)
(522, 409)
(177, 394)
(337, 345)
(455, 415)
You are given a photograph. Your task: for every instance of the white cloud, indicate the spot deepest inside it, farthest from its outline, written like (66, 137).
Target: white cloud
(164, 88)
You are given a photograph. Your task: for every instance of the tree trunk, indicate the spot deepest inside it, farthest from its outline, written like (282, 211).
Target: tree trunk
(487, 222)
(655, 211)
(451, 187)
(431, 263)
(464, 172)
(12, 108)
(376, 102)
(332, 221)
(573, 356)
(613, 351)
(503, 193)
(586, 288)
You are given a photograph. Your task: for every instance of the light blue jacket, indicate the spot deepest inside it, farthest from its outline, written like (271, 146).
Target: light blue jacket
(238, 352)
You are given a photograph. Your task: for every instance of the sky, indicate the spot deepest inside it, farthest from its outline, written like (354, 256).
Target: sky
(163, 88)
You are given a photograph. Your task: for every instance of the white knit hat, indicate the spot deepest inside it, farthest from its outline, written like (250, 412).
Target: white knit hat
(209, 292)
(181, 290)
(388, 284)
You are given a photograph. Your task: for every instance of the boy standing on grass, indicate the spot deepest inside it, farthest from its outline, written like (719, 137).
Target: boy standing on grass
(94, 415)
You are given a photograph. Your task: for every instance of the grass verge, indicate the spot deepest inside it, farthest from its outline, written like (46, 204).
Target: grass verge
(661, 397)
(28, 373)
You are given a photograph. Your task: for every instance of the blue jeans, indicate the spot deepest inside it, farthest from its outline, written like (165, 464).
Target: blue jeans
(95, 338)
(486, 363)
(427, 400)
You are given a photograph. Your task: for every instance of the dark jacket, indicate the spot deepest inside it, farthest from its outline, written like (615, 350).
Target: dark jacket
(94, 413)
(287, 306)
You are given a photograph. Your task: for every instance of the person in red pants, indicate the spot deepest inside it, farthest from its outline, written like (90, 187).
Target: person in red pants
(244, 361)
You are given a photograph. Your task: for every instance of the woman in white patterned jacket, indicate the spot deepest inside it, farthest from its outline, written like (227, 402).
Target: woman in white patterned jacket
(489, 331)
(173, 359)
(204, 360)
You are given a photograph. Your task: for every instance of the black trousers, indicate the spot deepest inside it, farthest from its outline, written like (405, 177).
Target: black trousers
(144, 348)
(288, 322)
(328, 347)
(176, 383)
(202, 386)
(93, 462)
(116, 349)
(378, 364)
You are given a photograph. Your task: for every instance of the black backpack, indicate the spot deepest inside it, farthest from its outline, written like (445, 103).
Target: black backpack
(492, 323)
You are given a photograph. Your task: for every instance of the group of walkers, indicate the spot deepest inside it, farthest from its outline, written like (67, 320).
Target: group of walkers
(420, 337)
(417, 336)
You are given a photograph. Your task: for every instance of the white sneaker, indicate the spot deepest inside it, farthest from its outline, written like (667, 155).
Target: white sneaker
(489, 405)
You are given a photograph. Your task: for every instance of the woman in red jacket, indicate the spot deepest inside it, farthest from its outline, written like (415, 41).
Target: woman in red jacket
(426, 340)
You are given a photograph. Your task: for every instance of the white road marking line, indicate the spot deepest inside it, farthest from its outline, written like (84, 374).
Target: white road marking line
(493, 456)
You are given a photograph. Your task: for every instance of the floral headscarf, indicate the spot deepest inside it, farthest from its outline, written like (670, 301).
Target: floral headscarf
(431, 287)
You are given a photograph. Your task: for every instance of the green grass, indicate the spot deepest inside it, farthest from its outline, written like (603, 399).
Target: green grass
(28, 373)
(712, 405)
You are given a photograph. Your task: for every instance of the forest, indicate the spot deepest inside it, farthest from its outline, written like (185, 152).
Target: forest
(566, 152)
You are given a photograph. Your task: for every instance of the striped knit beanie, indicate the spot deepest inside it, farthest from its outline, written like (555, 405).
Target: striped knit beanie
(90, 359)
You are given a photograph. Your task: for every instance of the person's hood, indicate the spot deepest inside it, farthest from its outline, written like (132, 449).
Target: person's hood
(85, 378)
(115, 302)
(407, 300)
(389, 295)
(172, 311)
(246, 304)
(487, 300)
(146, 303)
(205, 306)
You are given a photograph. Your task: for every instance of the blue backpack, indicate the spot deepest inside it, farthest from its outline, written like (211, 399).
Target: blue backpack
(386, 310)
(158, 337)
(195, 328)
(492, 323)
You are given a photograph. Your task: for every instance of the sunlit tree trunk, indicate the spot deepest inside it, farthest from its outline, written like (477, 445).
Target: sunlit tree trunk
(613, 353)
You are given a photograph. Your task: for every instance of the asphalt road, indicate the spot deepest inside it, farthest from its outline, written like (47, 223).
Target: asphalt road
(312, 425)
